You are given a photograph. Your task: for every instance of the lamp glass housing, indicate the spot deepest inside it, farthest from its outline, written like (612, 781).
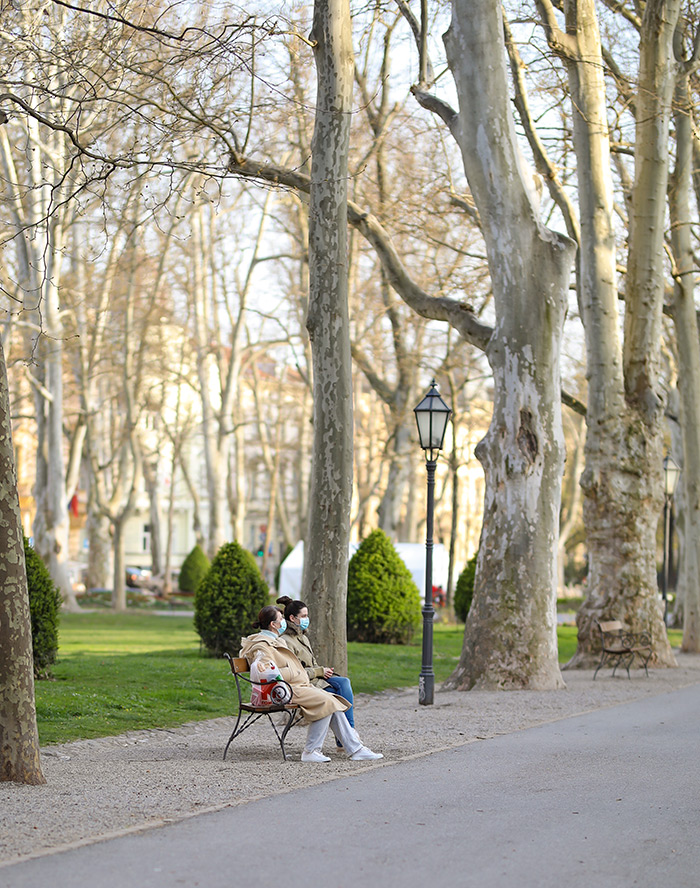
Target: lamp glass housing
(672, 472)
(432, 415)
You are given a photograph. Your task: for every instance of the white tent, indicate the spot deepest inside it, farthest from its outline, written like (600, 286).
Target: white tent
(412, 555)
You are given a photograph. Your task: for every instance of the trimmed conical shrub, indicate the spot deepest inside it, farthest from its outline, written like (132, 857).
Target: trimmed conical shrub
(383, 600)
(228, 599)
(464, 590)
(194, 568)
(44, 607)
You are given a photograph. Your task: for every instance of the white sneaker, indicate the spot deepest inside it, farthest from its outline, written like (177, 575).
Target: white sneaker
(314, 756)
(365, 755)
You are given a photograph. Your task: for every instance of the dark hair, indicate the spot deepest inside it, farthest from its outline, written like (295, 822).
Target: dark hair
(291, 607)
(266, 616)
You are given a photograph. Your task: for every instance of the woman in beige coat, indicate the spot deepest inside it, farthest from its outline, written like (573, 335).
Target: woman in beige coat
(319, 708)
(296, 613)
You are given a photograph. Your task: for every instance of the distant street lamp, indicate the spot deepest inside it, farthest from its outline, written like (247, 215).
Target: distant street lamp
(432, 415)
(671, 473)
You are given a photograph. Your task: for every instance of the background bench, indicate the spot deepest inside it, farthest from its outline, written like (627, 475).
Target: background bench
(622, 647)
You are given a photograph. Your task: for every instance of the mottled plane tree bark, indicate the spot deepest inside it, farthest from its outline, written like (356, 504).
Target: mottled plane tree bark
(19, 740)
(622, 478)
(685, 324)
(326, 548)
(510, 636)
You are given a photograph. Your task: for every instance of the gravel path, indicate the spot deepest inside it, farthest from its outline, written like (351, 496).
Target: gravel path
(108, 786)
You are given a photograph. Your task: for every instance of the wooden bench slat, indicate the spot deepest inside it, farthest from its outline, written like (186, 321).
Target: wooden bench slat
(239, 664)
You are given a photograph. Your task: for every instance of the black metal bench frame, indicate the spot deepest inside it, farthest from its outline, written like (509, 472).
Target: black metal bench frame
(240, 669)
(618, 646)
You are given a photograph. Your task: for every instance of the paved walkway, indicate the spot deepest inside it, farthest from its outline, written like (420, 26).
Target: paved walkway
(609, 797)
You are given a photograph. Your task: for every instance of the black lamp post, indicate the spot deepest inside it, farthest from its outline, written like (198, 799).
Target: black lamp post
(671, 474)
(432, 415)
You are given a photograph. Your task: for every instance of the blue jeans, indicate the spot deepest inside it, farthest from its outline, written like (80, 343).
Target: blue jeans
(341, 686)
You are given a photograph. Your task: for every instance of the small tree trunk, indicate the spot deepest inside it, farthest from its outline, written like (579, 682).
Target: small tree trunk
(168, 567)
(150, 475)
(454, 526)
(99, 547)
(119, 578)
(389, 511)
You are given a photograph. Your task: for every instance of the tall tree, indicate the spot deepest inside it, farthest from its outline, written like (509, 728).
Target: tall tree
(685, 323)
(326, 547)
(621, 481)
(19, 740)
(510, 636)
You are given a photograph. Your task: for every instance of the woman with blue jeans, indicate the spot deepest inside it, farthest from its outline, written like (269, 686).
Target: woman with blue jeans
(296, 613)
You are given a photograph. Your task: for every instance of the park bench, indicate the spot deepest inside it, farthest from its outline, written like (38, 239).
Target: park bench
(622, 647)
(281, 692)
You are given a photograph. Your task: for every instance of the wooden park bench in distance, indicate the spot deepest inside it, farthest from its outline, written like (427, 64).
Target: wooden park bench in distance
(622, 647)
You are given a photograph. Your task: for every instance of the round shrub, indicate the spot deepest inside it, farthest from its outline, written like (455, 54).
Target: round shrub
(44, 606)
(464, 590)
(194, 568)
(383, 600)
(228, 599)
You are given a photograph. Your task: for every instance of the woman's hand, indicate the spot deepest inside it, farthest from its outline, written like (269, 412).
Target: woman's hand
(327, 672)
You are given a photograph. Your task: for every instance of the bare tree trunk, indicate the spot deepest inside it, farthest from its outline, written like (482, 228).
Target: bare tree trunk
(119, 602)
(455, 517)
(170, 528)
(622, 481)
(194, 496)
(574, 501)
(215, 445)
(237, 479)
(684, 318)
(510, 636)
(397, 485)
(52, 521)
(99, 544)
(39, 260)
(326, 550)
(19, 740)
(622, 474)
(150, 474)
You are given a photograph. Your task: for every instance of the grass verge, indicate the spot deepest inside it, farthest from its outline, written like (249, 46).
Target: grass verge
(124, 672)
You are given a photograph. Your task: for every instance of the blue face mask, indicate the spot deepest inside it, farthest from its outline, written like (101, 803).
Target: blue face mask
(283, 627)
(303, 623)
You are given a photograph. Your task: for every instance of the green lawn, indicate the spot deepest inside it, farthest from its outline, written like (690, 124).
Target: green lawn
(120, 672)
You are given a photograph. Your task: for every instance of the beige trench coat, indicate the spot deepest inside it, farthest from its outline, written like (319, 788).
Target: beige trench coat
(298, 643)
(314, 703)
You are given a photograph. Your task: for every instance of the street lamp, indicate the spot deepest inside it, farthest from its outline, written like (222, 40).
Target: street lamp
(432, 415)
(671, 474)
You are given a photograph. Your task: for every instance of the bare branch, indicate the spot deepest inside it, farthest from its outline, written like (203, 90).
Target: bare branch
(562, 44)
(458, 314)
(436, 106)
(573, 403)
(625, 12)
(419, 29)
(543, 165)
